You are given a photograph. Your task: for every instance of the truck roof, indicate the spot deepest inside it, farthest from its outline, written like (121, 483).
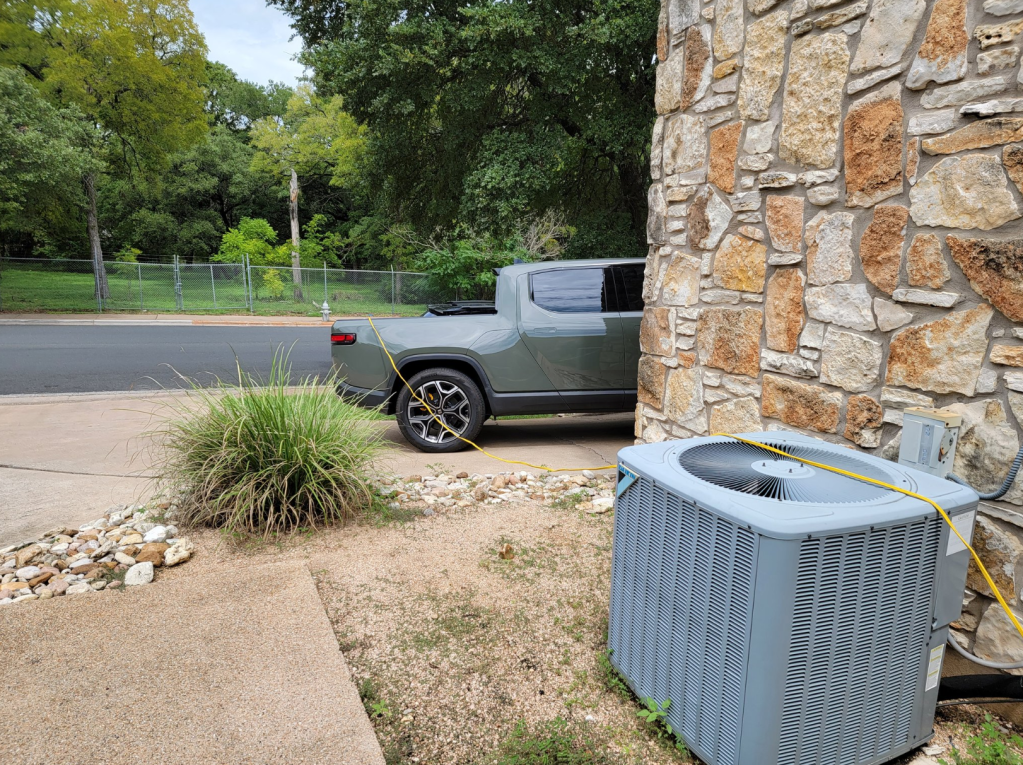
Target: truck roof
(544, 265)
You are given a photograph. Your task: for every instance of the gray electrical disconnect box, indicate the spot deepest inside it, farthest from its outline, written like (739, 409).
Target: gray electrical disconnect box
(929, 438)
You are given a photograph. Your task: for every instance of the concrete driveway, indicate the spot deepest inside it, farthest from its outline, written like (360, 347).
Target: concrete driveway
(64, 459)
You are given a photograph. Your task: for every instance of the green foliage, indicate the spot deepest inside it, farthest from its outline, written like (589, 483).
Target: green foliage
(127, 255)
(273, 284)
(269, 456)
(484, 114)
(655, 714)
(255, 238)
(551, 743)
(465, 268)
(610, 677)
(319, 243)
(989, 747)
(44, 152)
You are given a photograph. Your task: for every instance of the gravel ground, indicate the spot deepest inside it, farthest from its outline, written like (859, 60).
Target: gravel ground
(240, 667)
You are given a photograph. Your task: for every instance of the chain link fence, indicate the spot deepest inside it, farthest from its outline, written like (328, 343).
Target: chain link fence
(28, 285)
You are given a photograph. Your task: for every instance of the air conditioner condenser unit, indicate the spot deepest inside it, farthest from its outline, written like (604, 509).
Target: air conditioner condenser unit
(792, 615)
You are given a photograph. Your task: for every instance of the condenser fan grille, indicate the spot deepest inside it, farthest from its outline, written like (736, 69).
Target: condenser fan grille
(750, 469)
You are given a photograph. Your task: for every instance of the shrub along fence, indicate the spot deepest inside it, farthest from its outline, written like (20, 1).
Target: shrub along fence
(28, 285)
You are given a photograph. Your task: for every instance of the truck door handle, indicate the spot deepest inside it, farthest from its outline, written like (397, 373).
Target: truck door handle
(543, 330)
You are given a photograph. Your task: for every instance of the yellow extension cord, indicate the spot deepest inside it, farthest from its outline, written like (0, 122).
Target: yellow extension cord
(850, 474)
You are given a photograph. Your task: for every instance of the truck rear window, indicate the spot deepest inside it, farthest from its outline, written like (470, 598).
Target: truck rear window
(574, 290)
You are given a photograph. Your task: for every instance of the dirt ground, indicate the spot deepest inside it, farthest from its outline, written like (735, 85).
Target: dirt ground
(454, 648)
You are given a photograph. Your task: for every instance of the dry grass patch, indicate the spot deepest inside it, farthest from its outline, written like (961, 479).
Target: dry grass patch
(465, 657)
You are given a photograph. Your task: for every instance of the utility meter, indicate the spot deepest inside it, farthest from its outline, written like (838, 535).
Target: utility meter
(929, 439)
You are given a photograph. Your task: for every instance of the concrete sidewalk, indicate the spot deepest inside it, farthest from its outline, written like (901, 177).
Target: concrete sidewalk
(237, 666)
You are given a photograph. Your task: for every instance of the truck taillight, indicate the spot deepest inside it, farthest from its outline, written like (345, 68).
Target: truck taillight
(344, 338)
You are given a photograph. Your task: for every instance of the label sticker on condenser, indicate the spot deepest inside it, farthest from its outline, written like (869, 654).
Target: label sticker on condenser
(625, 479)
(934, 667)
(964, 525)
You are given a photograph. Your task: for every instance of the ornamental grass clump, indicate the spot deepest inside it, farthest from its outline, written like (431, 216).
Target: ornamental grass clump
(265, 457)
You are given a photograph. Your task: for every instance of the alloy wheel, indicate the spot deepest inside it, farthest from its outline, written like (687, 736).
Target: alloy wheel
(449, 404)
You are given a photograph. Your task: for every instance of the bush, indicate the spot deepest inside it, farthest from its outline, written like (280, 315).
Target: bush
(265, 457)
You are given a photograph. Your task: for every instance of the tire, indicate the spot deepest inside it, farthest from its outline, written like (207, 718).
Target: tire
(461, 407)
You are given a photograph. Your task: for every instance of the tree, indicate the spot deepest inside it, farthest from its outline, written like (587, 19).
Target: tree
(132, 67)
(236, 104)
(44, 152)
(313, 137)
(485, 114)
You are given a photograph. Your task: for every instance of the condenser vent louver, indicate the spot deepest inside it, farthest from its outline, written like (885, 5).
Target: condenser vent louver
(791, 617)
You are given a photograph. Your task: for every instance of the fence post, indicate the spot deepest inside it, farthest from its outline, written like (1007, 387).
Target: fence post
(324, 281)
(248, 272)
(179, 299)
(213, 286)
(392, 288)
(142, 305)
(99, 293)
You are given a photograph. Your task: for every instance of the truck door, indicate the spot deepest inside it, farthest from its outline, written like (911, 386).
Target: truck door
(630, 302)
(569, 320)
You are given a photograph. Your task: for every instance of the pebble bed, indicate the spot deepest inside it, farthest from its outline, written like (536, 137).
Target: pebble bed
(588, 491)
(123, 548)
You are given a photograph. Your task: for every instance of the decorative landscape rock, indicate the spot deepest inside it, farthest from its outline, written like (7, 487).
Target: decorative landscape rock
(978, 135)
(740, 264)
(925, 262)
(783, 309)
(873, 147)
(812, 105)
(942, 55)
(943, 356)
(764, 60)
(887, 33)
(963, 192)
(800, 405)
(829, 248)
(850, 361)
(847, 305)
(881, 246)
(729, 339)
(995, 270)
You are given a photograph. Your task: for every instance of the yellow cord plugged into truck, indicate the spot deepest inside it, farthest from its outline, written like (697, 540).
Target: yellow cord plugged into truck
(850, 474)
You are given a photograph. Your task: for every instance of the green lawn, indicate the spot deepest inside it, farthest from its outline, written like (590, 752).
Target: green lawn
(42, 289)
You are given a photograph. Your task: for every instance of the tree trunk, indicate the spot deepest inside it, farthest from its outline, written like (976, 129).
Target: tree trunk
(102, 291)
(296, 263)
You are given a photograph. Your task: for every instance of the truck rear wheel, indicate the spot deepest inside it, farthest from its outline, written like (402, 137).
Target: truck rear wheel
(454, 400)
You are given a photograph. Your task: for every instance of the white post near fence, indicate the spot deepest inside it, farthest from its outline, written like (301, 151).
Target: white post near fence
(213, 286)
(324, 281)
(248, 275)
(392, 288)
(142, 305)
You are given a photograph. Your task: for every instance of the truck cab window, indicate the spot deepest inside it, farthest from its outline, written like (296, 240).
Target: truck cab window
(573, 290)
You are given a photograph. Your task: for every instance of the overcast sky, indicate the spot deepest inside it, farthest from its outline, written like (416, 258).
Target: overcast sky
(250, 38)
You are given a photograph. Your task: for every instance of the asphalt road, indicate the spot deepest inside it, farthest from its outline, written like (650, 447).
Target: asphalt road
(80, 359)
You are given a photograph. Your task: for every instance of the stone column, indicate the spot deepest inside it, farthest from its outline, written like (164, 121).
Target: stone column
(835, 234)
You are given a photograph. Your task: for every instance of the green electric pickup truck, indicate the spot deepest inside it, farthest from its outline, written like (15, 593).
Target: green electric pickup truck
(559, 337)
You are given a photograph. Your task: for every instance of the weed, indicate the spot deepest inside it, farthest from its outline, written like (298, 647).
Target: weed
(551, 743)
(655, 714)
(570, 500)
(990, 747)
(375, 706)
(609, 676)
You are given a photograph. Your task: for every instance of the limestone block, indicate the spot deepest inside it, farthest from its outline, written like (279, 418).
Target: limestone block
(1007, 355)
(822, 196)
(925, 262)
(685, 144)
(657, 211)
(698, 65)
(740, 264)
(1012, 159)
(942, 55)
(683, 398)
(786, 363)
(943, 356)
(800, 405)
(730, 30)
(904, 398)
(997, 639)
(812, 105)
(887, 33)
(764, 58)
(881, 246)
(989, 35)
(759, 137)
(1003, 7)
(813, 335)
(724, 147)
(996, 60)
(655, 333)
(873, 147)
(709, 216)
(847, 305)
(964, 192)
(850, 361)
(997, 106)
(656, 149)
(785, 222)
(741, 415)
(995, 270)
(977, 135)
(870, 80)
(890, 315)
(783, 309)
(681, 282)
(863, 421)
(668, 86)
(829, 248)
(729, 339)
(924, 297)
(987, 445)
(650, 381)
(963, 92)
(935, 122)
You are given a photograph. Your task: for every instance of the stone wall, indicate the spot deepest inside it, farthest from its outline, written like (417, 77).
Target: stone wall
(835, 235)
